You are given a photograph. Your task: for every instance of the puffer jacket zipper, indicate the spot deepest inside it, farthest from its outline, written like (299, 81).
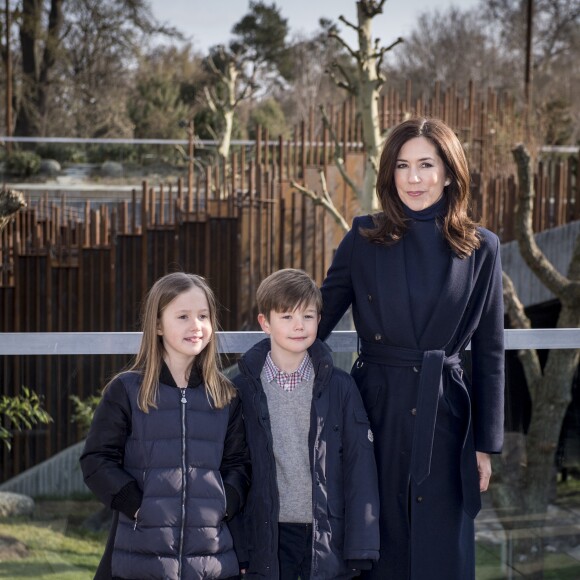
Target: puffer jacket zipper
(183, 477)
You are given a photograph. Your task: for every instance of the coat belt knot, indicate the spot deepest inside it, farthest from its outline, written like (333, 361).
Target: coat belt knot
(435, 365)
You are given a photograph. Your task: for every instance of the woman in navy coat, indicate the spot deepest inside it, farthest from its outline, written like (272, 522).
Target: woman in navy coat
(424, 281)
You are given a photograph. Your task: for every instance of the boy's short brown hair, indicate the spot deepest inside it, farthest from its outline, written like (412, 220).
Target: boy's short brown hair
(286, 290)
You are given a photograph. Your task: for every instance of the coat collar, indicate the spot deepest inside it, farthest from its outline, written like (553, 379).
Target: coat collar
(252, 362)
(165, 377)
(395, 303)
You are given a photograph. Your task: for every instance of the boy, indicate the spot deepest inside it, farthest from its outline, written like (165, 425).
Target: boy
(312, 510)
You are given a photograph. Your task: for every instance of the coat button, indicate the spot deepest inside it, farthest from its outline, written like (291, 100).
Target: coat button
(413, 411)
(378, 337)
(419, 499)
(415, 370)
(370, 297)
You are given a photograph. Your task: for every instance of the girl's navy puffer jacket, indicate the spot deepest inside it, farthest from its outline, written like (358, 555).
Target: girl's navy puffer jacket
(182, 457)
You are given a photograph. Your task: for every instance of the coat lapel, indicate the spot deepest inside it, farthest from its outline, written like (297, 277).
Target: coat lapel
(395, 305)
(451, 305)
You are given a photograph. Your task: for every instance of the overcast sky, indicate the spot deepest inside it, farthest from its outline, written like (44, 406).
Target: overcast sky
(209, 22)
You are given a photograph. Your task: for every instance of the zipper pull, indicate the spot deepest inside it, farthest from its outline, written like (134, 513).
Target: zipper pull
(183, 399)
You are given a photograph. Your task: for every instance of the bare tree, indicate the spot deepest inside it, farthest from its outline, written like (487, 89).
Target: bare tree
(451, 46)
(232, 86)
(75, 64)
(365, 85)
(555, 44)
(40, 48)
(523, 485)
(310, 86)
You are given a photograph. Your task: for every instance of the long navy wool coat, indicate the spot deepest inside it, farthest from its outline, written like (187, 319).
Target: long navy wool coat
(428, 418)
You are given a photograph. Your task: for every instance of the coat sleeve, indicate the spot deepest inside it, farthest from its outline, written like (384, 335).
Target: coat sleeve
(235, 466)
(337, 289)
(488, 360)
(237, 525)
(361, 490)
(103, 454)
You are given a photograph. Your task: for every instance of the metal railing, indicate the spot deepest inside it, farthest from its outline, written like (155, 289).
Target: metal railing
(60, 475)
(78, 343)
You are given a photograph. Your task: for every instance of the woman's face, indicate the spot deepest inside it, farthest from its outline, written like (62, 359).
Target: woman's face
(419, 174)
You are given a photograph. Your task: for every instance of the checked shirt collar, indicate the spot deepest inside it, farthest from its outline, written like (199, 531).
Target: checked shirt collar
(288, 381)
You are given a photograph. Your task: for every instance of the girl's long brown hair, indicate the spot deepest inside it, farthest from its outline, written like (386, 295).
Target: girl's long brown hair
(459, 229)
(149, 359)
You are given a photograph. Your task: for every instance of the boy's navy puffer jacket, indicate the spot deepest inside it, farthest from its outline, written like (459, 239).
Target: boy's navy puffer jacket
(175, 464)
(345, 497)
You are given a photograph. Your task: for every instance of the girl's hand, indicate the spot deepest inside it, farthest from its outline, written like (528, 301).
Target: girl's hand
(484, 468)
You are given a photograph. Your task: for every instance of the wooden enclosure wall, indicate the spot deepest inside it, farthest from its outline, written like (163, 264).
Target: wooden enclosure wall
(65, 268)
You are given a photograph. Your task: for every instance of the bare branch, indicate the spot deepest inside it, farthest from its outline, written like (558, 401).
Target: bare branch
(212, 132)
(337, 157)
(212, 100)
(214, 69)
(391, 46)
(348, 23)
(531, 253)
(572, 292)
(381, 55)
(515, 312)
(353, 53)
(325, 201)
(248, 90)
(347, 83)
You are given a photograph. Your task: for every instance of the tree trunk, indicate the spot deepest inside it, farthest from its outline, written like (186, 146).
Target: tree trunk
(368, 96)
(525, 474)
(226, 137)
(37, 64)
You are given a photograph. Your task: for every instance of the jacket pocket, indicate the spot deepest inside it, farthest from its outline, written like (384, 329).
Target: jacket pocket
(223, 494)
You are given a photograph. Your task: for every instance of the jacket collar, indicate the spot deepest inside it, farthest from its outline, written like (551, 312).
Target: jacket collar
(252, 362)
(195, 377)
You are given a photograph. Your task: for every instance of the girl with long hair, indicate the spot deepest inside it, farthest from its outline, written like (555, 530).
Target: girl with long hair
(166, 449)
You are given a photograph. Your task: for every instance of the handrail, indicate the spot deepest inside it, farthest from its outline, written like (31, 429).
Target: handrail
(78, 343)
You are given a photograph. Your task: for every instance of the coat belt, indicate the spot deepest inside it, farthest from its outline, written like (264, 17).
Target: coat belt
(434, 363)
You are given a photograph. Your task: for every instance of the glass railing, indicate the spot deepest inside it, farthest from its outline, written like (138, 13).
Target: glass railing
(72, 528)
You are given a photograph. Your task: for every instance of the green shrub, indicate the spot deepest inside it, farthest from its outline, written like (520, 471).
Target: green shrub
(84, 409)
(62, 152)
(20, 412)
(120, 152)
(23, 163)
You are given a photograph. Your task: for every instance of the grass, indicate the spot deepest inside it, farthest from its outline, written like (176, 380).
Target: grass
(58, 548)
(489, 565)
(561, 552)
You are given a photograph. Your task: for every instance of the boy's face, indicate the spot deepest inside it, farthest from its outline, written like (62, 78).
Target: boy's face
(292, 332)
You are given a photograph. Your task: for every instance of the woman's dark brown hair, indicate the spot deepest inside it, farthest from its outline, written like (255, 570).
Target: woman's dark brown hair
(459, 229)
